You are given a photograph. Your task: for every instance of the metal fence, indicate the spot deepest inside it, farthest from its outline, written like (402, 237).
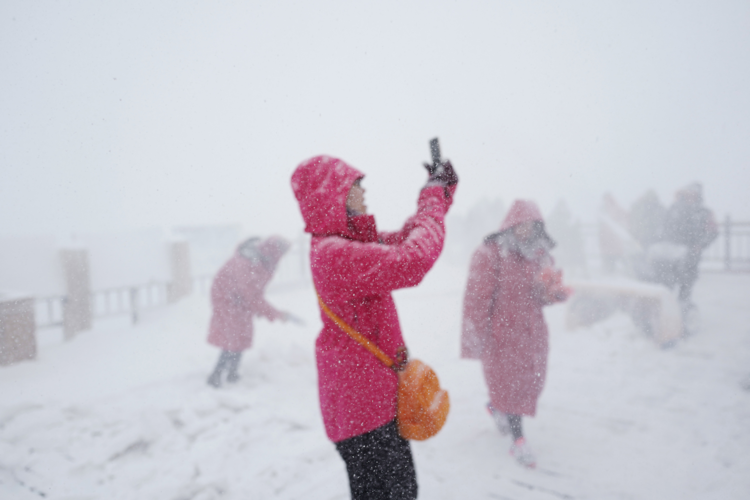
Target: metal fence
(48, 311)
(729, 252)
(202, 284)
(293, 270)
(127, 300)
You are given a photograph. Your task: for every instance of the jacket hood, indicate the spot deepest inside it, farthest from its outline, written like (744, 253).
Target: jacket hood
(692, 193)
(321, 185)
(268, 251)
(273, 248)
(521, 211)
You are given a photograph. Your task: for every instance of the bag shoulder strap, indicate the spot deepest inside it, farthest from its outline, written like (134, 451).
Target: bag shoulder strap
(354, 334)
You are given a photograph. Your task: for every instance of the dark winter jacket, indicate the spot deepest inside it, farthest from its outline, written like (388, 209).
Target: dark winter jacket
(691, 224)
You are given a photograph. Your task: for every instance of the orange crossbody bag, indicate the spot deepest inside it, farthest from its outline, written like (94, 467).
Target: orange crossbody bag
(422, 405)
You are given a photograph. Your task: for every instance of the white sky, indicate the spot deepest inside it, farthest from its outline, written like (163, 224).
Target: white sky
(142, 113)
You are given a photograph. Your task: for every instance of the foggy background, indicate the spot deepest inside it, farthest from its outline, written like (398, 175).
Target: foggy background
(140, 141)
(154, 114)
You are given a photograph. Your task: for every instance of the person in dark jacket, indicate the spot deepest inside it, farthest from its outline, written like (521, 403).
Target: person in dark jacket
(691, 224)
(646, 219)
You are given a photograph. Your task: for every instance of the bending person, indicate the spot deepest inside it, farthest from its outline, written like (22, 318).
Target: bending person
(510, 280)
(237, 296)
(355, 268)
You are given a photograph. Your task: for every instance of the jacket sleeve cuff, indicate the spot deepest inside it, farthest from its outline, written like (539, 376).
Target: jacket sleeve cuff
(439, 192)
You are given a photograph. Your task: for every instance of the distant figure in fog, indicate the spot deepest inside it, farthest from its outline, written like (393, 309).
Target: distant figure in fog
(355, 268)
(237, 296)
(646, 219)
(511, 278)
(615, 241)
(691, 224)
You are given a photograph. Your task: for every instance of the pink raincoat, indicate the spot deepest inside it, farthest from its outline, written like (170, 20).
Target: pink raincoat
(237, 295)
(503, 325)
(355, 268)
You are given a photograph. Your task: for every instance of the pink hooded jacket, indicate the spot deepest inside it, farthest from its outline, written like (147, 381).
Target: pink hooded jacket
(237, 295)
(503, 324)
(355, 268)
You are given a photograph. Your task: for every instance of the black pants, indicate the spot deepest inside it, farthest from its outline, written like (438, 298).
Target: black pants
(228, 361)
(516, 427)
(380, 465)
(689, 275)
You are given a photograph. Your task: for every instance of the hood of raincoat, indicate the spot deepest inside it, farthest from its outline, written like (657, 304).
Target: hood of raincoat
(273, 248)
(321, 185)
(692, 193)
(521, 211)
(535, 248)
(268, 251)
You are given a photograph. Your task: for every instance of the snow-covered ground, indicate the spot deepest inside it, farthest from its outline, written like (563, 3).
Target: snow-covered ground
(124, 412)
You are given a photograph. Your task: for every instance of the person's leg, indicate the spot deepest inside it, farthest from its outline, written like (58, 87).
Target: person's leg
(520, 449)
(358, 453)
(380, 465)
(397, 465)
(689, 276)
(215, 378)
(232, 365)
(515, 426)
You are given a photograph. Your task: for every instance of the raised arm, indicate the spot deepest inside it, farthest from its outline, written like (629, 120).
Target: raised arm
(358, 269)
(252, 293)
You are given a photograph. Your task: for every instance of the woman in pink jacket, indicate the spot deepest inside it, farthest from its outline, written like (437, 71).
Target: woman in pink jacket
(510, 280)
(354, 269)
(237, 296)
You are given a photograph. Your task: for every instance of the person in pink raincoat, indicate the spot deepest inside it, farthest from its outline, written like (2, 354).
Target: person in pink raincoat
(237, 296)
(355, 268)
(510, 280)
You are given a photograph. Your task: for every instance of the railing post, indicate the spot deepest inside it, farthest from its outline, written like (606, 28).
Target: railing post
(182, 283)
(17, 328)
(134, 304)
(727, 243)
(77, 305)
(50, 311)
